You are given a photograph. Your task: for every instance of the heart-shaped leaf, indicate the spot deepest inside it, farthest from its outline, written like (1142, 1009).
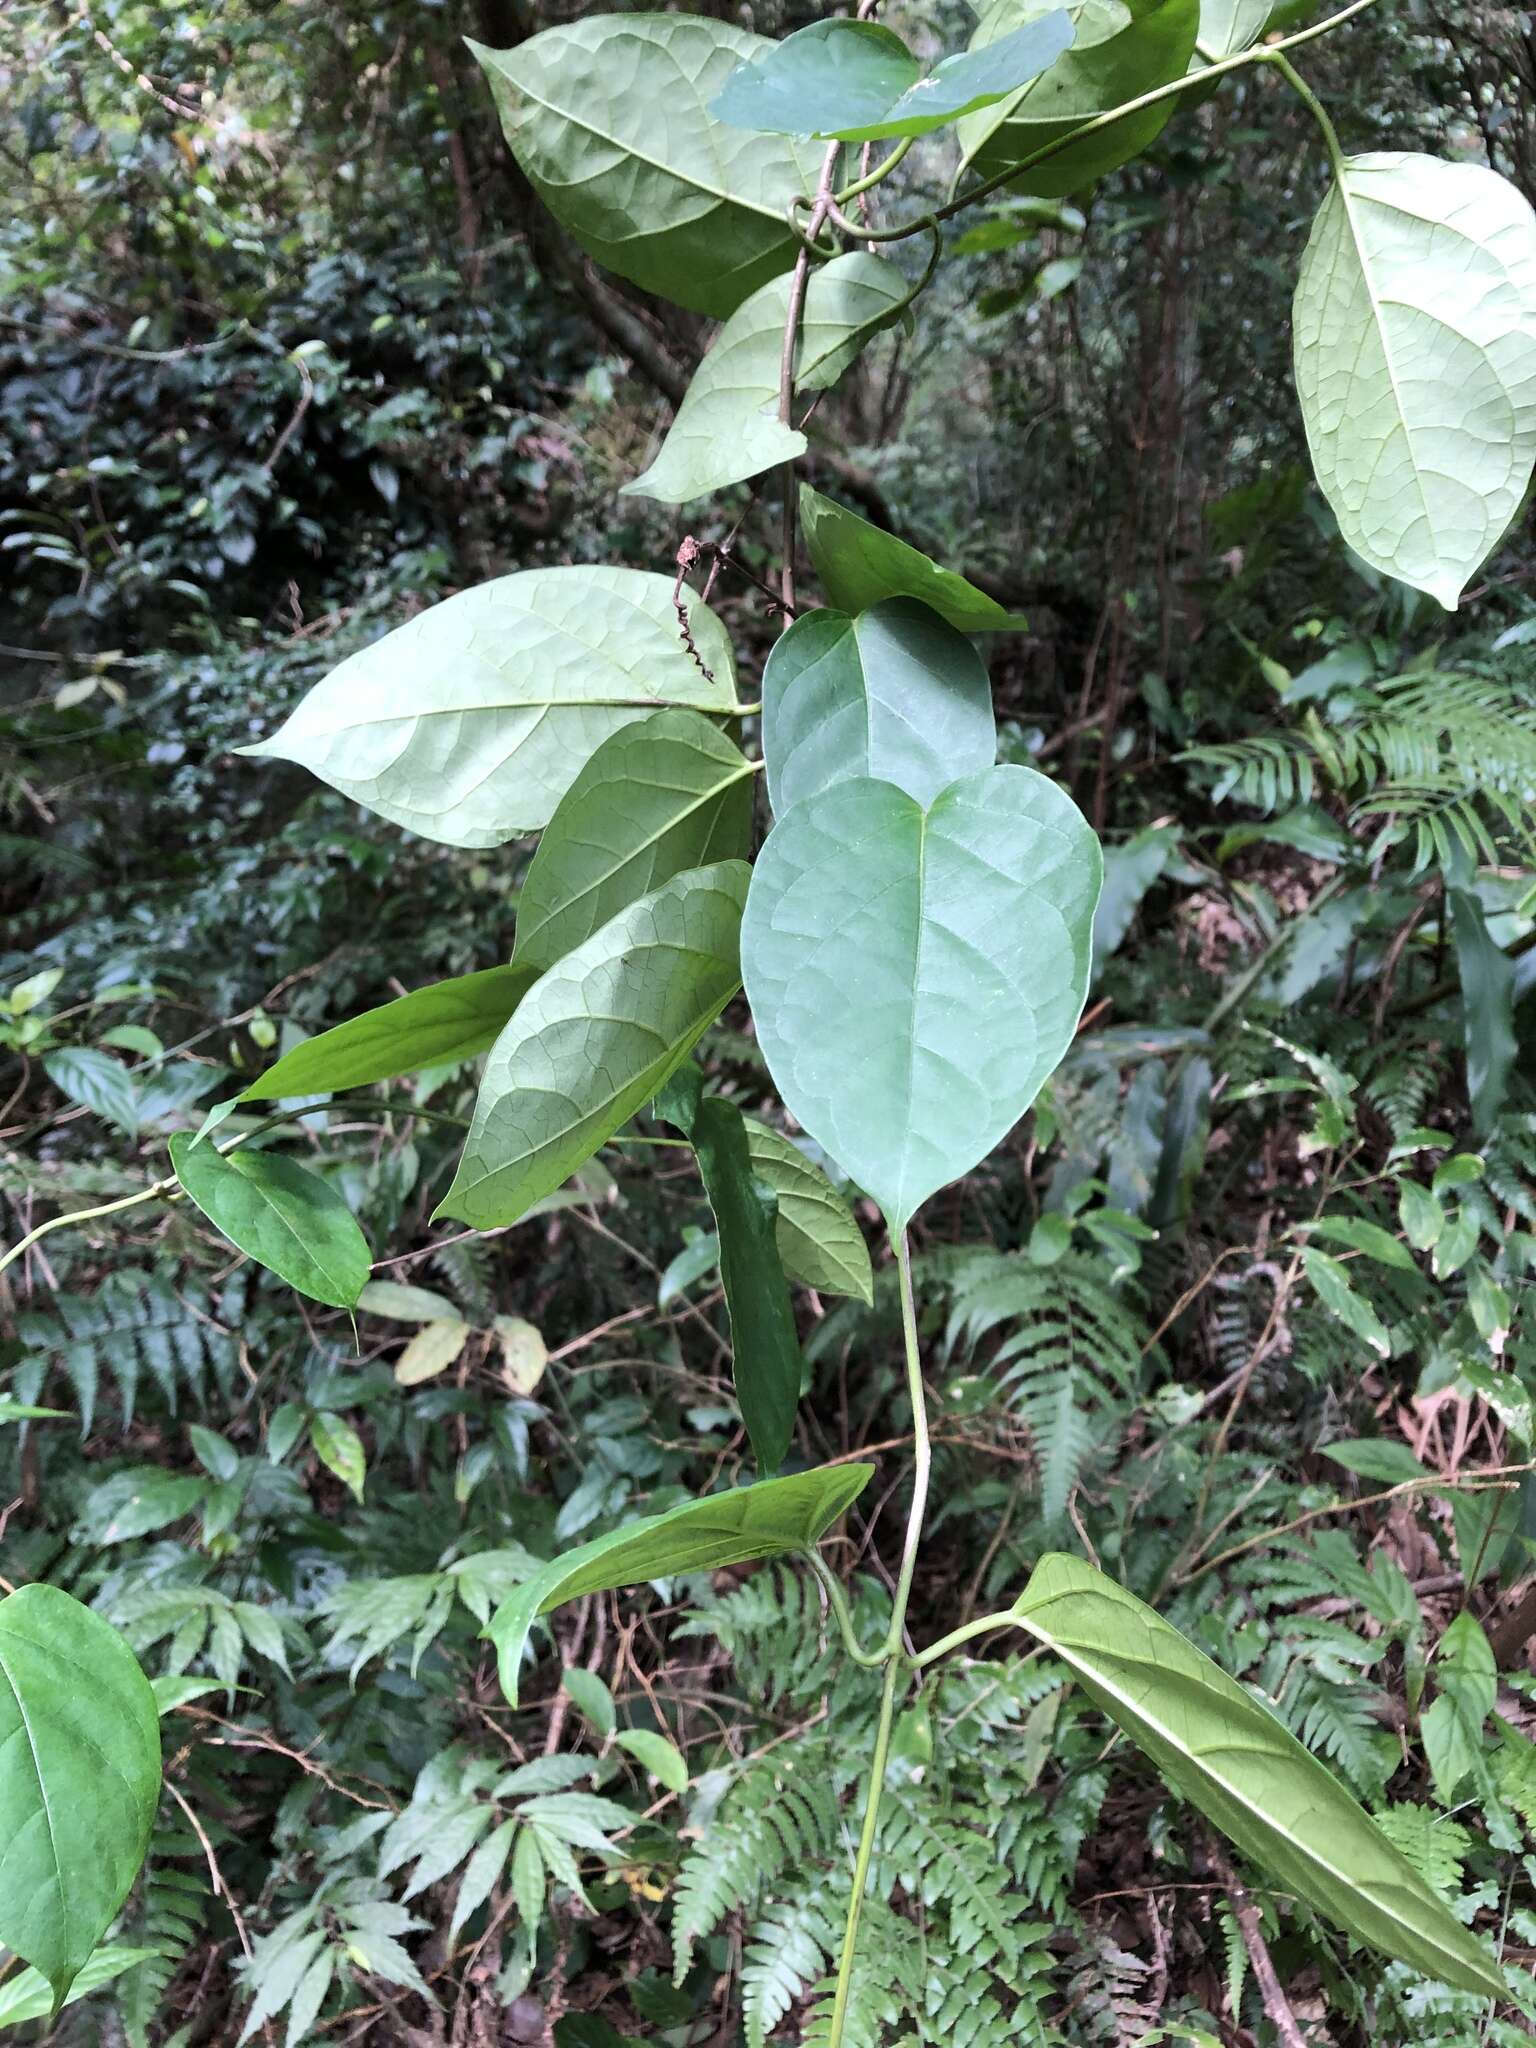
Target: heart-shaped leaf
(608, 118)
(79, 1779)
(280, 1214)
(434, 1026)
(1415, 338)
(915, 975)
(670, 793)
(895, 693)
(766, 1520)
(860, 563)
(1123, 48)
(469, 723)
(595, 1038)
(1245, 1771)
(727, 427)
(858, 82)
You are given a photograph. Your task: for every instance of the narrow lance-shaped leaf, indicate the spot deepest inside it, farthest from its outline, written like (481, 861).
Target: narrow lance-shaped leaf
(434, 1026)
(670, 793)
(860, 563)
(1487, 976)
(727, 427)
(595, 1038)
(856, 81)
(609, 119)
(1415, 341)
(765, 1351)
(896, 693)
(1123, 48)
(280, 1214)
(1245, 1770)
(469, 723)
(915, 975)
(766, 1520)
(79, 1779)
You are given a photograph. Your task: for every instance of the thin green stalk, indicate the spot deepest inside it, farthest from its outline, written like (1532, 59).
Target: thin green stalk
(895, 1662)
(1310, 100)
(1005, 1618)
(881, 170)
(837, 1600)
(149, 1194)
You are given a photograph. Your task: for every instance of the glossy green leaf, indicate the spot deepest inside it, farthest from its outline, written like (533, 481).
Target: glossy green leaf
(97, 1082)
(79, 1779)
(1415, 340)
(860, 563)
(280, 1214)
(470, 722)
(766, 1520)
(609, 119)
(857, 81)
(1420, 1214)
(136, 1501)
(670, 793)
(1123, 48)
(916, 975)
(595, 1038)
(1487, 977)
(663, 1759)
(1384, 1459)
(728, 427)
(896, 693)
(1361, 1235)
(765, 1351)
(436, 1026)
(1245, 1771)
(1332, 1283)
(1467, 1684)
(819, 1238)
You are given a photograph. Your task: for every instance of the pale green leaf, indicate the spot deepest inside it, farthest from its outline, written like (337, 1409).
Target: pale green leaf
(860, 563)
(1415, 342)
(1467, 1683)
(857, 81)
(431, 1351)
(896, 693)
(727, 428)
(26, 1995)
(1227, 26)
(280, 1214)
(340, 1449)
(1331, 1281)
(1122, 49)
(819, 1238)
(916, 975)
(663, 1759)
(609, 118)
(669, 793)
(80, 1745)
(436, 1026)
(1245, 1771)
(766, 1520)
(471, 721)
(595, 1038)
(405, 1304)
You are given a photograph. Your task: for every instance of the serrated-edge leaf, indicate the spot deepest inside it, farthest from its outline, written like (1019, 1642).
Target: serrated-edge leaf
(1245, 1770)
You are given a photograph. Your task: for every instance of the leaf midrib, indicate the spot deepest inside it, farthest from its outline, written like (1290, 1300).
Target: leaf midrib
(42, 1794)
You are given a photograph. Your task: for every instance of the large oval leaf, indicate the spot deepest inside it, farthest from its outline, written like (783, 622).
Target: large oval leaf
(609, 119)
(915, 975)
(766, 1520)
(669, 793)
(1415, 340)
(727, 427)
(595, 1038)
(896, 693)
(1245, 1770)
(469, 723)
(1123, 48)
(79, 1779)
(434, 1026)
(278, 1213)
(859, 82)
(860, 563)
(820, 1241)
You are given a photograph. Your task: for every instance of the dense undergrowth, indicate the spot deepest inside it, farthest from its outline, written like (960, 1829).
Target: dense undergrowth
(1242, 1311)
